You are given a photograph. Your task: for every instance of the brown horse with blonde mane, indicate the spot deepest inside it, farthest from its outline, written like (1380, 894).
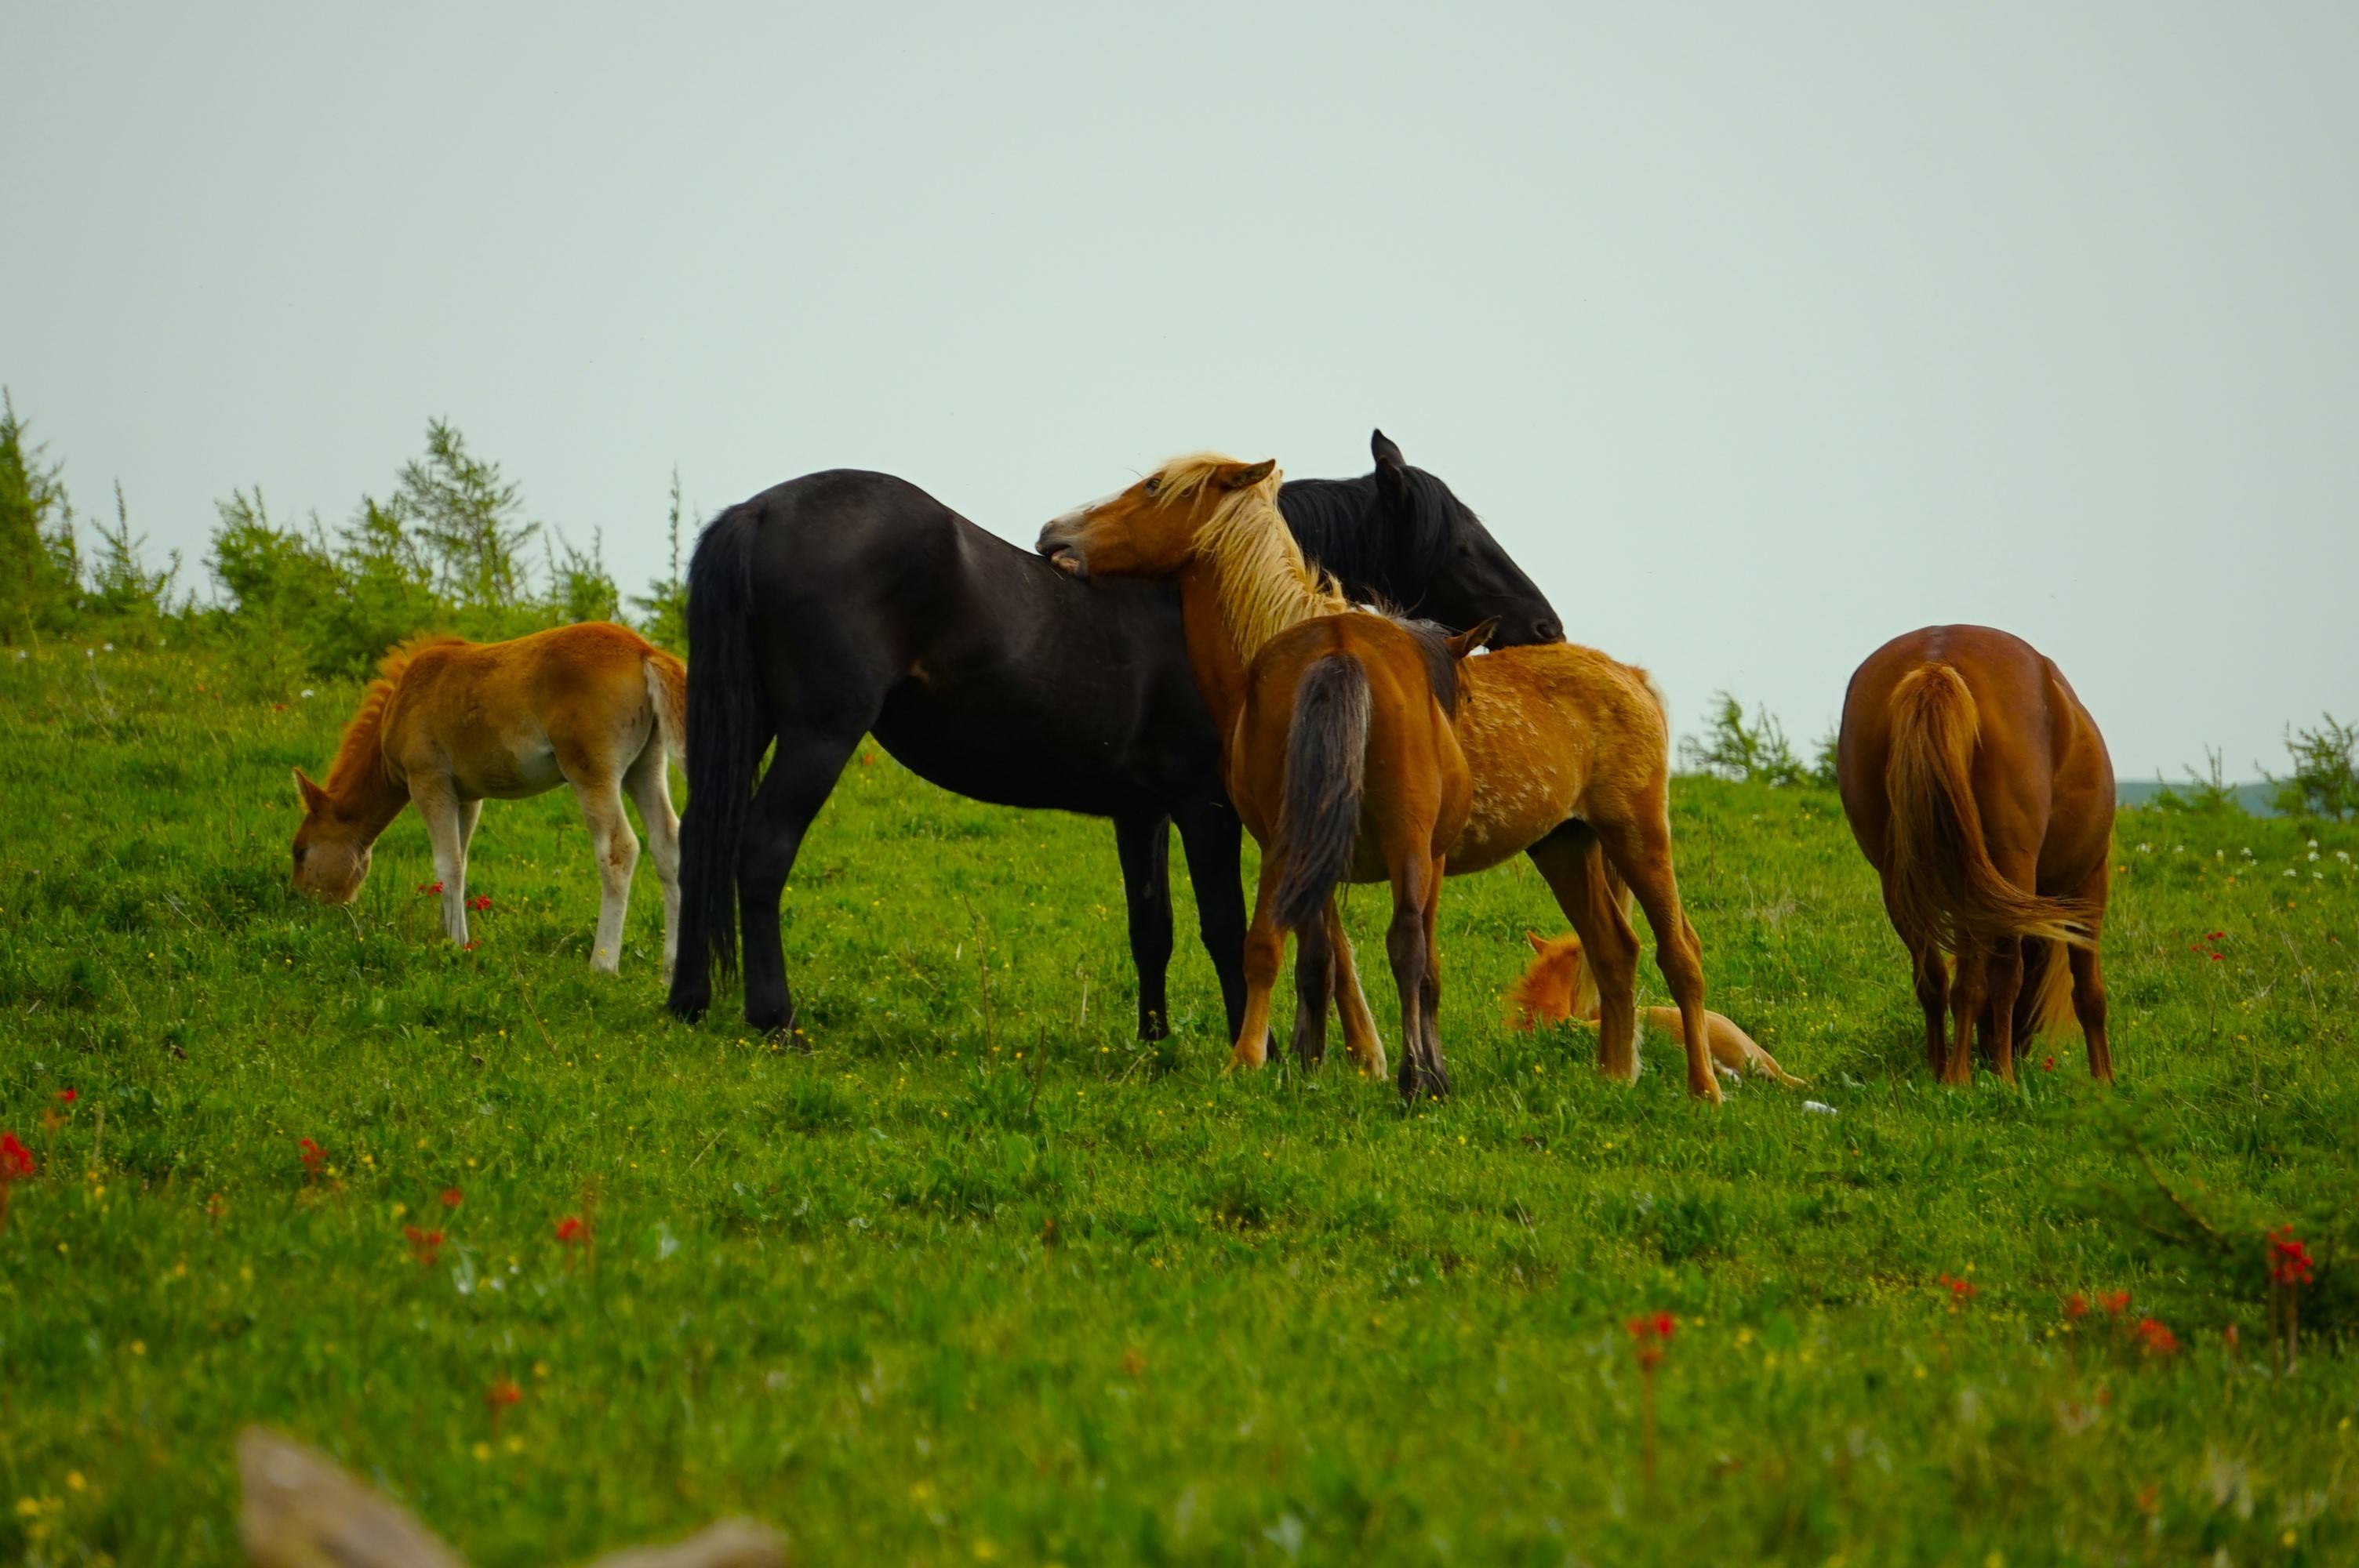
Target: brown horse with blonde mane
(450, 723)
(1568, 752)
(1981, 792)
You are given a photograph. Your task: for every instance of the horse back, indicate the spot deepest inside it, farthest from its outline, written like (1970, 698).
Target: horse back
(977, 664)
(508, 718)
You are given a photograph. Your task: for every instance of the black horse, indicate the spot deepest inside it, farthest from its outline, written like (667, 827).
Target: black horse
(846, 603)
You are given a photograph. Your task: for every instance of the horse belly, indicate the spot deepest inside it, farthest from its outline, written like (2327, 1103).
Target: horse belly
(513, 769)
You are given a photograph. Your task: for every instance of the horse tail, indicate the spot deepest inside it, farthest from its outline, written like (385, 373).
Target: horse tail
(728, 726)
(667, 691)
(2045, 1002)
(1945, 889)
(1326, 769)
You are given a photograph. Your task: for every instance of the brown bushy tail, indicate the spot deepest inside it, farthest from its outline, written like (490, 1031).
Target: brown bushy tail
(667, 689)
(1326, 768)
(1943, 888)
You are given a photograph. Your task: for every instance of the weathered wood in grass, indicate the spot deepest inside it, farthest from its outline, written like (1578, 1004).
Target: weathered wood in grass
(301, 1510)
(448, 724)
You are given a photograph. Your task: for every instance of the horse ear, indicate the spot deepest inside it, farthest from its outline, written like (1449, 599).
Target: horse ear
(1390, 478)
(1538, 942)
(1244, 476)
(1468, 641)
(313, 796)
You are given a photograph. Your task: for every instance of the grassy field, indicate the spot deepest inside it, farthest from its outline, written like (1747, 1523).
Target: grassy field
(978, 1279)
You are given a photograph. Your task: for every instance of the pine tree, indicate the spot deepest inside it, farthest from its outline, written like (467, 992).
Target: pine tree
(40, 568)
(468, 519)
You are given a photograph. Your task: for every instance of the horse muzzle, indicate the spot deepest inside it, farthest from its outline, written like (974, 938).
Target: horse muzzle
(1062, 545)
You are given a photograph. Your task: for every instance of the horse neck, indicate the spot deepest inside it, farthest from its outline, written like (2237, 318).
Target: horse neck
(1258, 578)
(361, 789)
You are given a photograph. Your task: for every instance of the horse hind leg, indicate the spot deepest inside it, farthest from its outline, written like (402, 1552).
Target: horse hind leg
(1404, 945)
(1366, 1046)
(1429, 991)
(1965, 1010)
(649, 783)
(2089, 979)
(1314, 986)
(1265, 954)
(617, 850)
(803, 769)
(1573, 863)
(1641, 850)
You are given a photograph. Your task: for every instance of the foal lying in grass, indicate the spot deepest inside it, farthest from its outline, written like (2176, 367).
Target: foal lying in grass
(1559, 989)
(450, 723)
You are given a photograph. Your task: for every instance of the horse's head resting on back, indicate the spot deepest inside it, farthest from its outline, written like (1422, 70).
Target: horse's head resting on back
(1153, 528)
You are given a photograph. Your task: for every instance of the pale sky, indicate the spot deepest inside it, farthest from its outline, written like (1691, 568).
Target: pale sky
(1758, 334)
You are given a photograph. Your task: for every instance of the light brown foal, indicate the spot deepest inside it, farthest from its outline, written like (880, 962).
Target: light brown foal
(448, 724)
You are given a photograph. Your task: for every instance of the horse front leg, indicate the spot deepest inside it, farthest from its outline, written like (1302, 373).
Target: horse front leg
(1143, 843)
(1213, 839)
(449, 824)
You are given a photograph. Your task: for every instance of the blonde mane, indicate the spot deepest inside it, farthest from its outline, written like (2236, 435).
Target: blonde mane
(359, 754)
(1266, 585)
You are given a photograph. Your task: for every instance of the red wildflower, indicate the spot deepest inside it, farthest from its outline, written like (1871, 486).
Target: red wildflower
(501, 1394)
(429, 887)
(2214, 957)
(426, 1245)
(67, 1096)
(2076, 1305)
(16, 1160)
(314, 1157)
(2232, 1337)
(1961, 1291)
(2214, 936)
(2288, 1259)
(2158, 1340)
(2047, 1063)
(2116, 1303)
(573, 1229)
(480, 903)
(453, 1198)
(1649, 1332)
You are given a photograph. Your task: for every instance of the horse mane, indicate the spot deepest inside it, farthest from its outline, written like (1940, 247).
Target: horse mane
(1336, 521)
(1440, 665)
(359, 754)
(1266, 584)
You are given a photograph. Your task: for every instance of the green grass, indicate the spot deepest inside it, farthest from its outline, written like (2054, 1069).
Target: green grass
(979, 1280)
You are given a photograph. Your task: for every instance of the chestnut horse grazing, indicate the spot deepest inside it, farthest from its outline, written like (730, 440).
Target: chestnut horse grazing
(450, 723)
(1559, 989)
(1981, 792)
(1568, 752)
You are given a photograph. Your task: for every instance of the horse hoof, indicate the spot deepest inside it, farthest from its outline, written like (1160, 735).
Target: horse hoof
(1152, 1026)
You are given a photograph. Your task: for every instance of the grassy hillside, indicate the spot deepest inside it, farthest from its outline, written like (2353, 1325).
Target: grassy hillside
(979, 1279)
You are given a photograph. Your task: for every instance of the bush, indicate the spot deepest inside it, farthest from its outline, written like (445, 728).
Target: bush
(2325, 781)
(1731, 749)
(40, 569)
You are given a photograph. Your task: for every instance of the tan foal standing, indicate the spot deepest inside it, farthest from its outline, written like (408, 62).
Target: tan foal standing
(448, 724)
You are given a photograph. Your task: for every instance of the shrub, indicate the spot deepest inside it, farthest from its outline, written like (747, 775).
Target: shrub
(1731, 749)
(2325, 781)
(40, 569)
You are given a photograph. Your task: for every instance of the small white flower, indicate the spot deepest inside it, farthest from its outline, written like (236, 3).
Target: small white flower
(307, 693)
(2146, 849)
(2313, 843)
(2342, 855)
(2178, 848)
(2247, 853)
(109, 647)
(2313, 854)
(90, 652)
(2291, 872)
(22, 655)
(1817, 1108)
(2318, 876)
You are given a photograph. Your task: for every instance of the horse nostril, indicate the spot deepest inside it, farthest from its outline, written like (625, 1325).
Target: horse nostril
(1549, 632)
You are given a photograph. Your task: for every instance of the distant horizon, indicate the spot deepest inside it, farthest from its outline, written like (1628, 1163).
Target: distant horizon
(1757, 338)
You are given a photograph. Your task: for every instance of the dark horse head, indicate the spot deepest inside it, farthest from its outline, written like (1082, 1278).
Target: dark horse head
(1401, 538)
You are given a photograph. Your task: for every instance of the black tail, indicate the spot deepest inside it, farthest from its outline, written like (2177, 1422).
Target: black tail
(728, 729)
(1326, 766)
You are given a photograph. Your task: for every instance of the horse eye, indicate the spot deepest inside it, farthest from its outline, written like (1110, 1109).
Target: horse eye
(1153, 483)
